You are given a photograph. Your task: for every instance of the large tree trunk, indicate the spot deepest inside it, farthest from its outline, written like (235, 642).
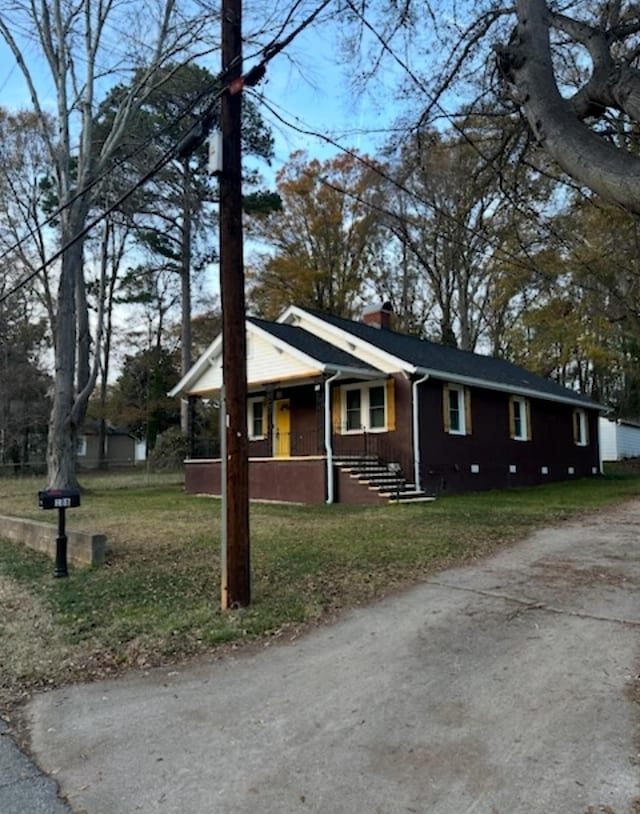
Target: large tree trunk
(74, 41)
(74, 379)
(61, 443)
(586, 156)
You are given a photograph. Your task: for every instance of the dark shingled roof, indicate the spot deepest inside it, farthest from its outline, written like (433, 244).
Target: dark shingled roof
(313, 346)
(445, 361)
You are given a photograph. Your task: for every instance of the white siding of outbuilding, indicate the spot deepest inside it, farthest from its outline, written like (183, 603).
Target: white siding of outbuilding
(618, 440)
(608, 439)
(628, 441)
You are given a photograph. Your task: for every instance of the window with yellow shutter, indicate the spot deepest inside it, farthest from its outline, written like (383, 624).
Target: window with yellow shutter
(365, 406)
(456, 409)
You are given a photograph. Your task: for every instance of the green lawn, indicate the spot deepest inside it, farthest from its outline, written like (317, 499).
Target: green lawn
(157, 597)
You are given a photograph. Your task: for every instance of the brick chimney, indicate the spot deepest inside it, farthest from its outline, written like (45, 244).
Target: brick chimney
(378, 316)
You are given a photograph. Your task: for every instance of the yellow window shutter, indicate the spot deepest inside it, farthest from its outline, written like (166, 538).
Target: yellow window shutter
(529, 430)
(512, 417)
(467, 411)
(446, 418)
(391, 404)
(336, 409)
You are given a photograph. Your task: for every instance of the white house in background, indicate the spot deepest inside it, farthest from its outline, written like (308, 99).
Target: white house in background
(618, 439)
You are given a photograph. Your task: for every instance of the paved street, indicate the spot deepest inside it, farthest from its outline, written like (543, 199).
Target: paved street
(504, 687)
(24, 789)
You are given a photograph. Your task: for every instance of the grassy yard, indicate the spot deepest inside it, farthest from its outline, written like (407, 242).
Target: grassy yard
(157, 597)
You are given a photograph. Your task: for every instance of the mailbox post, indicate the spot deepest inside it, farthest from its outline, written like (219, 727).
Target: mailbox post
(60, 499)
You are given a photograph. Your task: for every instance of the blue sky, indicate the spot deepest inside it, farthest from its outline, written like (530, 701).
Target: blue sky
(306, 84)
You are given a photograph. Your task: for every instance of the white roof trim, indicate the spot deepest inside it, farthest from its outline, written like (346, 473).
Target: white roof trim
(506, 388)
(293, 313)
(280, 344)
(303, 357)
(315, 364)
(214, 350)
(194, 372)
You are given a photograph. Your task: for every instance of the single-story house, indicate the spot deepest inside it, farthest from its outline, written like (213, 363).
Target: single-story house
(121, 447)
(619, 439)
(340, 410)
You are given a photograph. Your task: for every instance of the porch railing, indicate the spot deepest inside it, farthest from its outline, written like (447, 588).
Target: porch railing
(299, 444)
(204, 448)
(374, 445)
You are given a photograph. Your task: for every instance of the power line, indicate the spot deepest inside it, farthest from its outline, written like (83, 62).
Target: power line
(190, 141)
(139, 149)
(389, 178)
(436, 102)
(172, 152)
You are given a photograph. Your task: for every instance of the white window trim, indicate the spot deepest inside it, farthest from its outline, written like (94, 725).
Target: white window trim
(462, 430)
(524, 423)
(364, 388)
(584, 428)
(250, 403)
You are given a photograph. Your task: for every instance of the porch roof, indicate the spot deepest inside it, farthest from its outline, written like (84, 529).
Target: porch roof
(276, 352)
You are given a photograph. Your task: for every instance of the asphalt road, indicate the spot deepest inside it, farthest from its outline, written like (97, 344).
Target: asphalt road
(506, 687)
(24, 789)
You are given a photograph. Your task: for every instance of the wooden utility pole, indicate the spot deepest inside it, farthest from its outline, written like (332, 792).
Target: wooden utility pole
(236, 572)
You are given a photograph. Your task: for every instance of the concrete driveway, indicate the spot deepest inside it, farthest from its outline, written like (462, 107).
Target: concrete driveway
(506, 687)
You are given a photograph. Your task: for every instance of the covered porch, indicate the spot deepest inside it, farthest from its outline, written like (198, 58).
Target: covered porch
(309, 406)
(299, 433)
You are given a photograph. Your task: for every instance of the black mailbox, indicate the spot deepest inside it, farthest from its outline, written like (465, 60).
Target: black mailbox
(59, 498)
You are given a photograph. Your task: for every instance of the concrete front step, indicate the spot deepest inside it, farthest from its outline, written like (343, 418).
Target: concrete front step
(417, 498)
(366, 470)
(403, 491)
(380, 478)
(379, 472)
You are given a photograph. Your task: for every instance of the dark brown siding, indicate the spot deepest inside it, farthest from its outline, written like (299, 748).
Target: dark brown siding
(404, 426)
(351, 491)
(202, 477)
(292, 479)
(389, 446)
(306, 421)
(447, 460)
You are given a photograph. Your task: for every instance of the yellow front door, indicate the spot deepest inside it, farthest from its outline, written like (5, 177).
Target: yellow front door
(282, 428)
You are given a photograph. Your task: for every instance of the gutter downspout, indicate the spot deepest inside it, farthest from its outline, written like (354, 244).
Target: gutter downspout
(416, 431)
(327, 434)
